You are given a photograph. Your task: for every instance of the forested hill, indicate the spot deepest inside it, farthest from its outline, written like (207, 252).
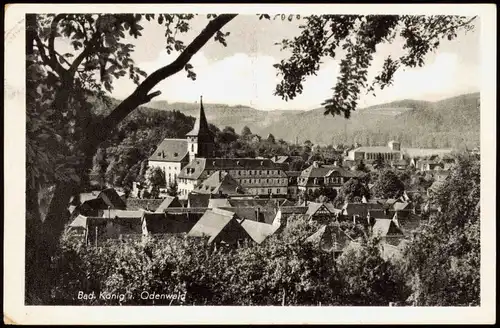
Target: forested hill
(452, 122)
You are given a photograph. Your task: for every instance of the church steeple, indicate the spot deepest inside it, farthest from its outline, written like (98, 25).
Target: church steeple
(200, 127)
(200, 138)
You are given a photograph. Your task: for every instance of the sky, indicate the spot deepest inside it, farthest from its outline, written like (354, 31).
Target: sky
(242, 73)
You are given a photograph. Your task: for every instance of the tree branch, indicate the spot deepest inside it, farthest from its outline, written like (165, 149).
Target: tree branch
(87, 51)
(99, 131)
(52, 52)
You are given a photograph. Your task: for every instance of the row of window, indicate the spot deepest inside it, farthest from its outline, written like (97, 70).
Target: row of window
(386, 156)
(260, 181)
(262, 191)
(332, 180)
(236, 173)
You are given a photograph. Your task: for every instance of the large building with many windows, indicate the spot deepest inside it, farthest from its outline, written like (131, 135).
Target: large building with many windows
(172, 155)
(389, 153)
(258, 177)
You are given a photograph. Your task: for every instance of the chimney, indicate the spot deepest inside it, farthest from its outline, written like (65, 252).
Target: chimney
(257, 214)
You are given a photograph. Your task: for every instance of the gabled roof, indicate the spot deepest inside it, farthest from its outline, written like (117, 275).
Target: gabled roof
(171, 150)
(360, 209)
(315, 207)
(169, 201)
(79, 222)
(399, 206)
(293, 210)
(329, 238)
(162, 223)
(258, 231)
(250, 213)
(218, 202)
(262, 203)
(218, 225)
(134, 204)
(112, 199)
(197, 167)
(122, 214)
(386, 227)
(217, 183)
(198, 200)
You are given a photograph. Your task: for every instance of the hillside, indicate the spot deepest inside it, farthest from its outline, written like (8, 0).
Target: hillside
(447, 123)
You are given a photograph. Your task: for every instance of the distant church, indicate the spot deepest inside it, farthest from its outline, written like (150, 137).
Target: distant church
(173, 154)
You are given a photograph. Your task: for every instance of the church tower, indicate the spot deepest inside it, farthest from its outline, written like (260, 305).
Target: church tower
(200, 138)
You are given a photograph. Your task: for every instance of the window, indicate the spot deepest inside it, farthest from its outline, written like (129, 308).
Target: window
(269, 191)
(250, 172)
(268, 172)
(192, 148)
(239, 172)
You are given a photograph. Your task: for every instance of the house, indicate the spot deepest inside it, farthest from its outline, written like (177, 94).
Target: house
(169, 201)
(317, 176)
(95, 230)
(321, 212)
(330, 238)
(219, 226)
(198, 200)
(258, 177)
(358, 211)
(157, 224)
(94, 203)
(429, 165)
(292, 188)
(258, 214)
(218, 202)
(220, 184)
(151, 204)
(369, 154)
(172, 155)
(285, 212)
(387, 230)
(400, 164)
(258, 231)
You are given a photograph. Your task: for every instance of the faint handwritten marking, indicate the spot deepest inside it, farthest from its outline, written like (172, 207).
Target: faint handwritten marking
(13, 32)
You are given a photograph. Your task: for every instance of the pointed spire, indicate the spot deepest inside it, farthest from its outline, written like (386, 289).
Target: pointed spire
(200, 125)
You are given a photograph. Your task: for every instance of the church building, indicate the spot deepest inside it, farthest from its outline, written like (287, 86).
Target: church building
(172, 155)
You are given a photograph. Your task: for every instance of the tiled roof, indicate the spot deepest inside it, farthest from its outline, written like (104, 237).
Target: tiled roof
(169, 201)
(180, 210)
(293, 210)
(134, 204)
(375, 149)
(218, 202)
(162, 223)
(198, 200)
(197, 166)
(219, 182)
(258, 231)
(293, 173)
(267, 203)
(385, 227)
(122, 214)
(250, 213)
(111, 198)
(329, 238)
(212, 224)
(360, 209)
(79, 222)
(171, 150)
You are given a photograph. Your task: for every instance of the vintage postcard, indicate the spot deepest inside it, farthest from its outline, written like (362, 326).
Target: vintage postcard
(249, 163)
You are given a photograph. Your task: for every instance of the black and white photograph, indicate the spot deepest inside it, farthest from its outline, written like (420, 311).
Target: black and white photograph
(286, 158)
